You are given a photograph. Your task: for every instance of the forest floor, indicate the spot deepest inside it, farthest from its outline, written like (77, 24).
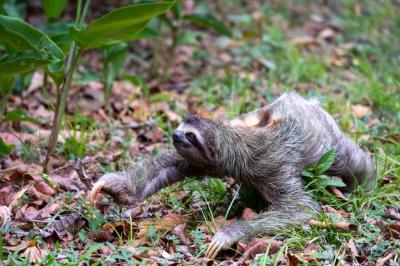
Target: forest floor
(344, 53)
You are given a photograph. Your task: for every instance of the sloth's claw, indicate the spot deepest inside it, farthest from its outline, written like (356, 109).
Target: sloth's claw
(214, 248)
(95, 190)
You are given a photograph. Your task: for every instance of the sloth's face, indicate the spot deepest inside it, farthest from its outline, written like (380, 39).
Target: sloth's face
(194, 140)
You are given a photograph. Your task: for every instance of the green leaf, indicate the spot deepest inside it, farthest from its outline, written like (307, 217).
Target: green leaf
(6, 85)
(5, 149)
(160, 97)
(54, 8)
(308, 173)
(209, 21)
(22, 62)
(18, 35)
(114, 56)
(18, 115)
(327, 181)
(325, 162)
(119, 23)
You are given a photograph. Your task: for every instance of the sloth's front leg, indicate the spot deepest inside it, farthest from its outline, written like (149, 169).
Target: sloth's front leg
(147, 177)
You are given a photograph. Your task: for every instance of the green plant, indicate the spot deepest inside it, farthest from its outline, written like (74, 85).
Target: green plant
(29, 48)
(174, 21)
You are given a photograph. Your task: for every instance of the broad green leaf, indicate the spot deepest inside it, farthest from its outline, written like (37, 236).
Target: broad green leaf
(325, 162)
(21, 36)
(308, 173)
(54, 8)
(6, 85)
(18, 115)
(209, 21)
(327, 181)
(23, 62)
(63, 40)
(5, 149)
(119, 23)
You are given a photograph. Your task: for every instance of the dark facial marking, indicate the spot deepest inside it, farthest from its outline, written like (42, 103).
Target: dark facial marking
(191, 137)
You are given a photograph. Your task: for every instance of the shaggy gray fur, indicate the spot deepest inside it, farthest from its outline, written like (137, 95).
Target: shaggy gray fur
(267, 150)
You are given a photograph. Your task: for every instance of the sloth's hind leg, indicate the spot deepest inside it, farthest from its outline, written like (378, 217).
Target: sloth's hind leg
(288, 208)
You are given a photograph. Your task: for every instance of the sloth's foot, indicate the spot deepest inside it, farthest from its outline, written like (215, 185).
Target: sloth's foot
(221, 240)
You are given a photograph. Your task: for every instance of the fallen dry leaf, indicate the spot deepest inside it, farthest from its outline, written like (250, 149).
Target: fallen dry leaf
(389, 230)
(392, 213)
(179, 231)
(212, 227)
(5, 215)
(259, 245)
(351, 248)
(34, 252)
(292, 259)
(16, 201)
(361, 111)
(249, 214)
(335, 191)
(44, 188)
(304, 41)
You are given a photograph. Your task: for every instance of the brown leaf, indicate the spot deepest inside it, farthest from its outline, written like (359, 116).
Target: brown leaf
(260, 245)
(351, 248)
(389, 230)
(64, 224)
(337, 212)
(35, 253)
(392, 213)
(51, 208)
(361, 111)
(292, 259)
(304, 41)
(249, 214)
(16, 201)
(44, 188)
(179, 231)
(102, 235)
(7, 193)
(212, 227)
(335, 191)
(30, 213)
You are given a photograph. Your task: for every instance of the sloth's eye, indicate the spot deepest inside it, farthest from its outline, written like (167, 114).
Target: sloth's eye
(190, 136)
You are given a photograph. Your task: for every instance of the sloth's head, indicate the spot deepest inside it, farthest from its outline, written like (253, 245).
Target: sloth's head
(195, 140)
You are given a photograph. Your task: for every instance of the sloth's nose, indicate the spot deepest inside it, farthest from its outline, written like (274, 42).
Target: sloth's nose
(177, 135)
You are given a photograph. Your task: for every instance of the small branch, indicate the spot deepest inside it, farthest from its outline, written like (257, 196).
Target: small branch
(335, 191)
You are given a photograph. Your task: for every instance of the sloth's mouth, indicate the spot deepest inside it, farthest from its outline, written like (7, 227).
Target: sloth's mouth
(180, 144)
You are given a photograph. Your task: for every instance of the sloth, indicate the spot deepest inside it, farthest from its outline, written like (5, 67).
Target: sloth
(266, 150)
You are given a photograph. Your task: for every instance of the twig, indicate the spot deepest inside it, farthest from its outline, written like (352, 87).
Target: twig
(335, 191)
(340, 225)
(80, 170)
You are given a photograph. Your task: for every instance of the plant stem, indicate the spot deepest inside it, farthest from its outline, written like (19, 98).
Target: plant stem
(61, 102)
(62, 94)
(3, 101)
